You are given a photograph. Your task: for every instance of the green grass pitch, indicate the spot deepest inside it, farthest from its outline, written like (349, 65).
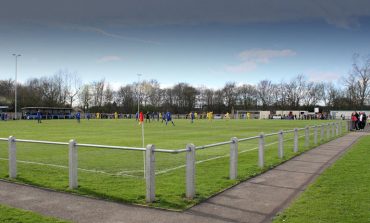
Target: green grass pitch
(118, 175)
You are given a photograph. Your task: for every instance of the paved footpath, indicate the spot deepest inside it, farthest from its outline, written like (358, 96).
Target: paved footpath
(255, 200)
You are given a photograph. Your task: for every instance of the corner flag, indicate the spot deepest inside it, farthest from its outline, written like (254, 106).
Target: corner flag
(141, 118)
(141, 122)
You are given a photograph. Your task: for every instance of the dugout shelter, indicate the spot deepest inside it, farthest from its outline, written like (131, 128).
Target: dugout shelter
(47, 113)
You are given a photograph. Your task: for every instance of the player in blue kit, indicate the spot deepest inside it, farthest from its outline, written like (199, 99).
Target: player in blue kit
(78, 117)
(169, 118)
(39, 116)
(192, 116)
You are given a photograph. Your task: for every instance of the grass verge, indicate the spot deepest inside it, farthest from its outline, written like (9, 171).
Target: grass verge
(14, 215)
(340, 194)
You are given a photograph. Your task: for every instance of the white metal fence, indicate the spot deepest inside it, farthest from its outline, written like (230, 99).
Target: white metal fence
(320, 133)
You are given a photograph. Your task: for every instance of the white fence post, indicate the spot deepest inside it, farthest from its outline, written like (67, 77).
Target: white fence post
(328, 132)
(336, 128)
(73, 164)
(150, 173)
(261, 151)
(233, 158)
(341, 128)
(307, 136)
(333, 130)
(12, 157)
(315, 135)
(281, 144)
(347, 125)
(295, 149)
(190, 171)
(322, 133)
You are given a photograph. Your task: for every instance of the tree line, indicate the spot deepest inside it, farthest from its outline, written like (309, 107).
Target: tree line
(64, 89)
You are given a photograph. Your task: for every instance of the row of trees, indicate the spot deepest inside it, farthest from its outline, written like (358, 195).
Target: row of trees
(65, 89)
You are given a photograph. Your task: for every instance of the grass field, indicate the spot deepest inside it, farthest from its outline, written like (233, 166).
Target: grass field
(118, 174)
(13, 215)
(340, 194)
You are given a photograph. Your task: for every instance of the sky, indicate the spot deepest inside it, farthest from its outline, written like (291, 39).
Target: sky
(200, 42)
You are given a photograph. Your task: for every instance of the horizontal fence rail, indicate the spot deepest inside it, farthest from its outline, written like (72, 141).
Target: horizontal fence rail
(332, 130)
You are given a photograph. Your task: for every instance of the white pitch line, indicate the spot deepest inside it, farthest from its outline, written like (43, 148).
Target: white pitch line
(82, 169)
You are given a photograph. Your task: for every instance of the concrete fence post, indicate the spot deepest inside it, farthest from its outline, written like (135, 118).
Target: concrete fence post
(12, 150)
(347, 125)
(261, 151)
(233, 158)
(190, 171)
(333, 130)
(281, 144)
(307, 136)
(336, 128)
(295, 148)
(328, 132)
(73, 164)
(322, 133)
(341, 128)
(150, 173)
(315, 135)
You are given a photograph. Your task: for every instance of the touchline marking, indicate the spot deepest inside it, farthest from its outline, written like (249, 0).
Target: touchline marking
(82, 169)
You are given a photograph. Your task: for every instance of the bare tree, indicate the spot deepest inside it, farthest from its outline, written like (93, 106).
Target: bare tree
(52, 91)
(210, 99)
(219, 101)
(155, 94)
(230, 94)
(6, 91)
(295, 91)
(98, 92)
(357, 82)
(85, 96)
(247, 96)
(282, 95)
(168, 99)
(264, 89)
(126, 98)
(313, 94)
(71, 85)
(108, 94)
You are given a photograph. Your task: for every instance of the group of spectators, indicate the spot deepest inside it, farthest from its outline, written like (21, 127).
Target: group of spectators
(4, 116)
(358, 120)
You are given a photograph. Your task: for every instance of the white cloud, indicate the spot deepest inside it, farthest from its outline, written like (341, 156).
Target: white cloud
(109, 58)
(252, 58)
(263, 56)
(112, 35)
(245, 66)
(115, 85)
(99, 31)
(328, 76)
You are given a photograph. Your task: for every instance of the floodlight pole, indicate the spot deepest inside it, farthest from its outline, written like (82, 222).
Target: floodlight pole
(15, 85)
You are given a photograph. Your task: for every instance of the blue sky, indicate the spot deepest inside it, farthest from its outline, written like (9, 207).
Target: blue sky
(199, 42)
